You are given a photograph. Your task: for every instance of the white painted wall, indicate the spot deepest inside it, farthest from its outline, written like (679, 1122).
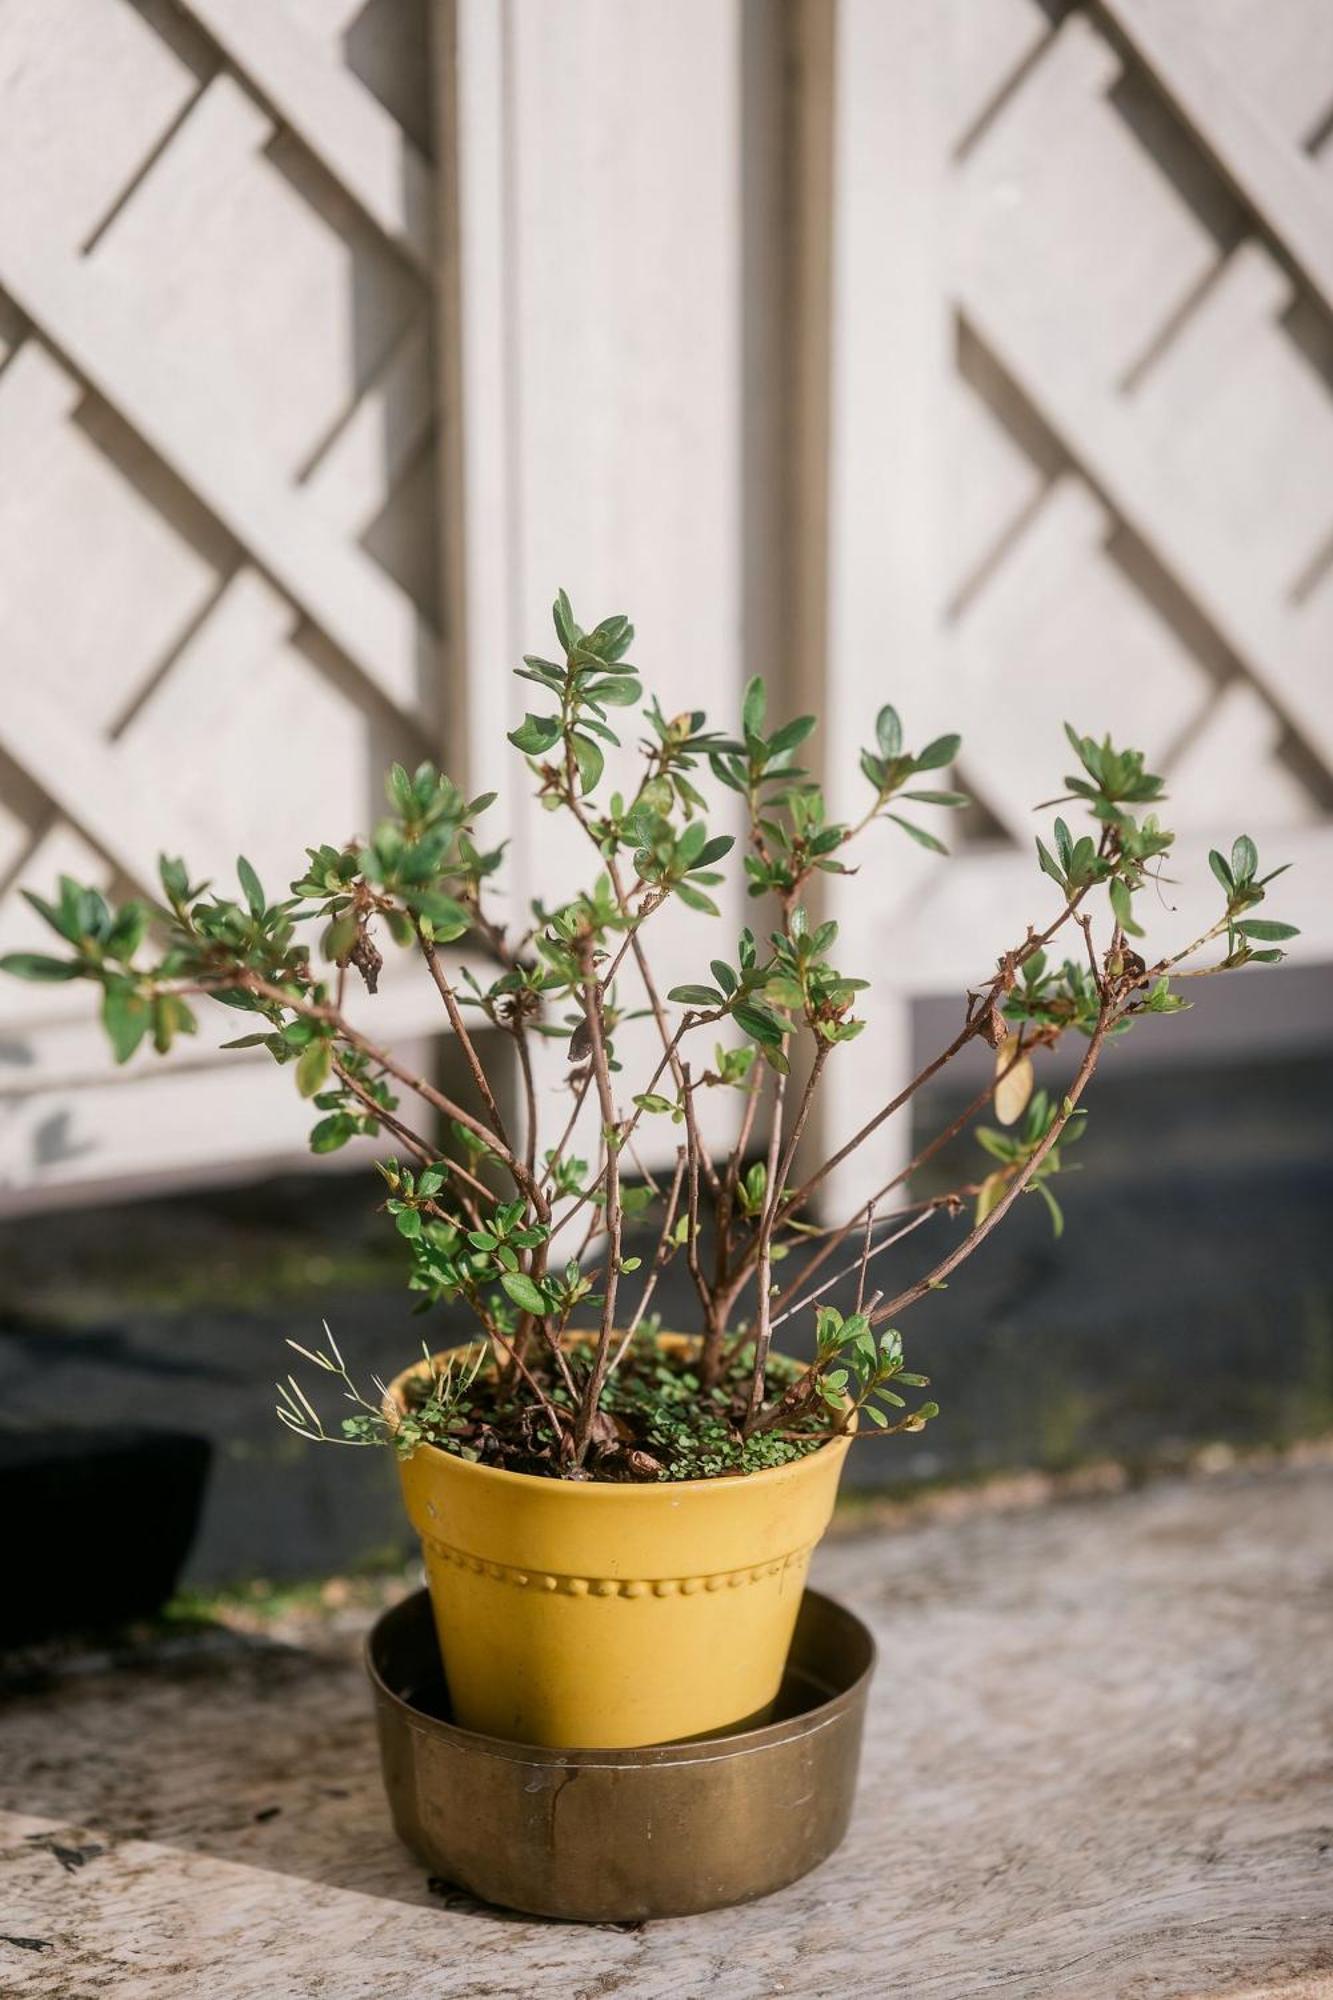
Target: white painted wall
(1076, 355)
(1082, 450)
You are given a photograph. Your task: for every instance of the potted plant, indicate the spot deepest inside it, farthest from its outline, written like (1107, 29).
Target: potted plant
(616, 1518)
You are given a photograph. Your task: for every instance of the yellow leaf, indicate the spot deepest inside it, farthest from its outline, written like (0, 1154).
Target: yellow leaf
(989, 1193)
(1016, 1081)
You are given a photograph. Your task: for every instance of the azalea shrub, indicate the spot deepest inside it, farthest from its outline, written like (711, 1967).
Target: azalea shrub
(549, 1229)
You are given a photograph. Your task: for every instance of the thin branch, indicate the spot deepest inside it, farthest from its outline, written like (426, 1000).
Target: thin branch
(904, 1174)
(465, 1042)
(520, 1035)
(417, 1146)
(312, 1010)
(592, 1000)
(927, 1208)
(971, 1027)
(863, 1262)
(763, 1331)
(661, 1257)
(581, 1090)
(694, 1149)
(631, 1124)
(976, 1236)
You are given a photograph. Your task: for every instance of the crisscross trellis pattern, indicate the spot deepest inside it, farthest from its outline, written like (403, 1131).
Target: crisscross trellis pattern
(219, 615)
(1109, 240)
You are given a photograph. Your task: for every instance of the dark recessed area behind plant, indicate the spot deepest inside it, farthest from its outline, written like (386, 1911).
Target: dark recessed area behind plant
(1190, 1300)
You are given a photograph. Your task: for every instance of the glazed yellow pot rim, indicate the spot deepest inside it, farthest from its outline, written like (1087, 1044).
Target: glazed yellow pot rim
(606, 1489)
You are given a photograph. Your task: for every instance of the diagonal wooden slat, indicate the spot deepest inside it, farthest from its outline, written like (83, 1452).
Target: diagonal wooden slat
(346, 128)
(366, 615)
(1279, 182)
(76, 773)
(1096, 429)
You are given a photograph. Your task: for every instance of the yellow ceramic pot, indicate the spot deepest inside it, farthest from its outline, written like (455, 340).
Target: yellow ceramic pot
(585, 1615)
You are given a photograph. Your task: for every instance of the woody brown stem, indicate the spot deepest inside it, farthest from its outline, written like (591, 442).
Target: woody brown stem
(976, 1236)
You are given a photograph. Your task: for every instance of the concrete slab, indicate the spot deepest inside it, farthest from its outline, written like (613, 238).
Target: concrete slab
(1098, 1765)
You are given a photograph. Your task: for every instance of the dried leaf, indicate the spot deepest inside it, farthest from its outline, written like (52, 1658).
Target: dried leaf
(1017, 1080)
(993, 1025)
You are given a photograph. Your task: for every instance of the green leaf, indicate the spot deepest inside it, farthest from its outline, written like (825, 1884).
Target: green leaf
(36, 965)
(524, 1293)
(919, 835)
(64, 922)
(889, 732)
(1049, 866)
(128, 931)
(1123, 906)
(1221, 870)
(942, 751)
(127, 1016)
(990, 1194)
(791, 734)
(249, 881)
(399, 788)
(171, 1017)
(713, 850)
(535, 734)
(175, 881)
(695, 996)
(612, 639)
(759, 1023)
(1057, 1213)
(617, 691)
(723, 974)
(1266, 928)
(695, 899)
(690, 844)
(447, 919)
(939, 798)
(312, 1070)
(332, 1132)
(566, 631)
(590, 760)
(1244, 859)
(754, 706)
(875, 770)
(339, 939)
(408, 1222)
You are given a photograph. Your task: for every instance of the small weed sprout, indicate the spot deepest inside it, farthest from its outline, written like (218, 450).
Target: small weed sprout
(430, 1417)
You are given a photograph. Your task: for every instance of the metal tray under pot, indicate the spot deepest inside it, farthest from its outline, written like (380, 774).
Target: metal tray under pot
(616, 1836)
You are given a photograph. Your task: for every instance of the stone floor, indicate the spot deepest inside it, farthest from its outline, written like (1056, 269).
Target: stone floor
(1099, 1763)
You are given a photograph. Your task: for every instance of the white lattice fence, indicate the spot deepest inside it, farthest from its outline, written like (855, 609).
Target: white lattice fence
(218, 613)
(1092, 249)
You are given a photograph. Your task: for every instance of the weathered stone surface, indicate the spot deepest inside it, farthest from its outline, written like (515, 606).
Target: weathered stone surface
(1098, 1765)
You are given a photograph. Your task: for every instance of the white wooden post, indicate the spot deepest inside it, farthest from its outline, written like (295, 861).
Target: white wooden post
(890, 340)
(601, 276)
